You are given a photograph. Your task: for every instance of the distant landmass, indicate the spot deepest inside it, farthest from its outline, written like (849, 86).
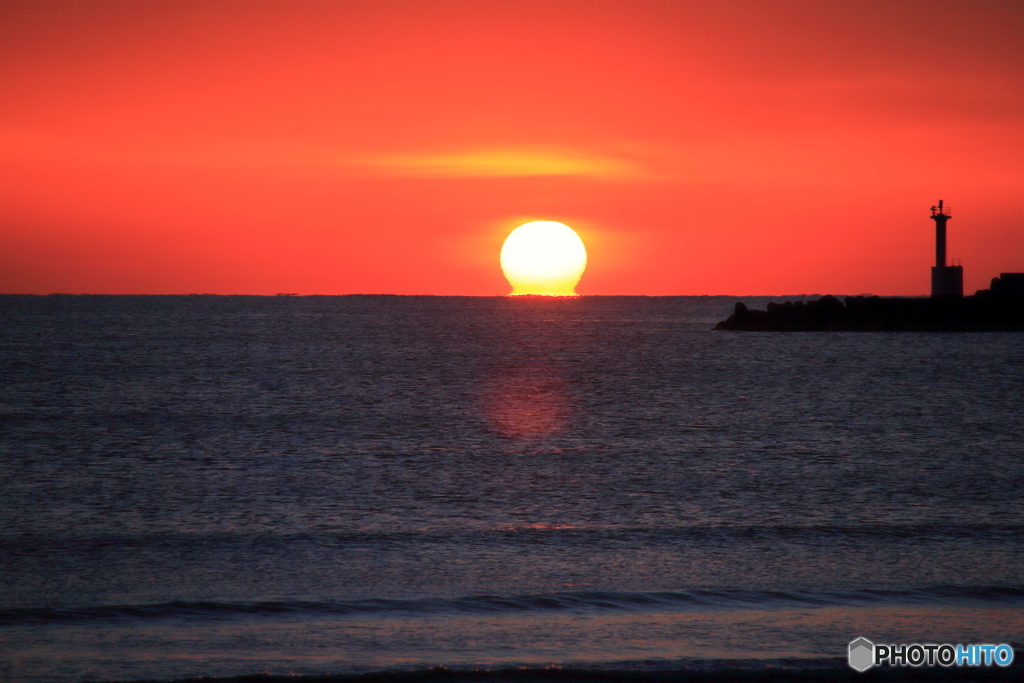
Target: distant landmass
(1000, 308)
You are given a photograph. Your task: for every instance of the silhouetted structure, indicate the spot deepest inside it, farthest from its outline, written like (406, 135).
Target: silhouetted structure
(946, 280)
(1000, 308)
(980, 313)
(1008, 286)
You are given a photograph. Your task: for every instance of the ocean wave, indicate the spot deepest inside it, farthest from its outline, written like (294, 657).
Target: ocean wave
(691, 671)
(504, 534)
(807, 670)
(582, 602)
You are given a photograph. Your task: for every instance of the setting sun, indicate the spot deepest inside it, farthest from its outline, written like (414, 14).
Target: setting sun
(543, 258)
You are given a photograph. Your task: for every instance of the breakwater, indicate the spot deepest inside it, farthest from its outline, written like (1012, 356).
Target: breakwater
(983, 312)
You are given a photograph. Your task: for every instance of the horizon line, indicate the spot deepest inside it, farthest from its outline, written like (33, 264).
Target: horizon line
(284, 295)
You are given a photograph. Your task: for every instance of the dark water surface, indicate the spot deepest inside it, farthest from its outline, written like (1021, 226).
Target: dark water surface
(227, 485)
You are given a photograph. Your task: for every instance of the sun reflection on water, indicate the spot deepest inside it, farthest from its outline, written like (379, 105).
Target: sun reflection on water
(526, 404)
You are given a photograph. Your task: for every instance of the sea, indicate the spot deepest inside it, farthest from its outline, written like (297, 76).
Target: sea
(219, 486)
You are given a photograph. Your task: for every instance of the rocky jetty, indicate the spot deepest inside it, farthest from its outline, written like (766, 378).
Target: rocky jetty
(996, 309)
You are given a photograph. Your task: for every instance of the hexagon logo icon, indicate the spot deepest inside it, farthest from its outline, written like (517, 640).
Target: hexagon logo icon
(862, 654)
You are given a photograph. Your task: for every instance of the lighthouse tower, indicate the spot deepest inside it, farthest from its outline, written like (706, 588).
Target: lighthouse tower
(947, 281)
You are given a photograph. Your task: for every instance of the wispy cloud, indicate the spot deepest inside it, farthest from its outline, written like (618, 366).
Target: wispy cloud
(485, 162)
(507, 162)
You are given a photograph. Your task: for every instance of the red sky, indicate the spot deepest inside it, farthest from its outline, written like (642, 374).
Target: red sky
(389, 146)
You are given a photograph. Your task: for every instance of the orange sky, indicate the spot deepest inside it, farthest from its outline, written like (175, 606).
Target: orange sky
(389, 146)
